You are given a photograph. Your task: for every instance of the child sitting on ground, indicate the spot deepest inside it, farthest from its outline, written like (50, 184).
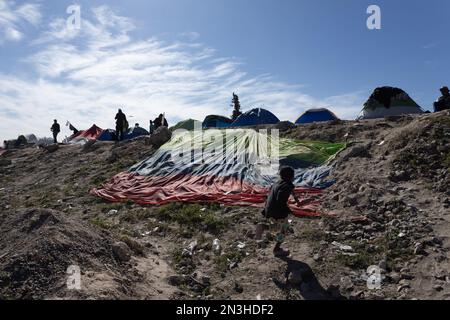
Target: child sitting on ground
(277, 208)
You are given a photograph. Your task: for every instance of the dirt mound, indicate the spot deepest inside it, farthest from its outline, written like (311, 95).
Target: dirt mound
(424, 152)
(37, 246)
(388, 208)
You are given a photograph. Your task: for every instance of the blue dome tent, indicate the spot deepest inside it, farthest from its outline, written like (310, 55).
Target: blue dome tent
(255, 117)
(107, 135)
(316, 115)
(135, 132)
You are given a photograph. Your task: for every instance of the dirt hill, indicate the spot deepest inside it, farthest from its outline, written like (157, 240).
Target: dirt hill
(389, 207)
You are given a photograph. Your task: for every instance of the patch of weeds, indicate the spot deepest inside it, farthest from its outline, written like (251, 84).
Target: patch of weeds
(223, 261)
(101, 223)
(180, 261)
(313, 235)
(192, 217)
(362, 260)
(98, 180)
(135, 246)
(397, 248)
(108, 206)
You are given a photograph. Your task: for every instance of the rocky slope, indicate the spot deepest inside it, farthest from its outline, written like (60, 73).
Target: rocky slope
(388, 208)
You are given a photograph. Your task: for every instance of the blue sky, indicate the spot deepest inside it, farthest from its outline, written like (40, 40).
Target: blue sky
(186, 57)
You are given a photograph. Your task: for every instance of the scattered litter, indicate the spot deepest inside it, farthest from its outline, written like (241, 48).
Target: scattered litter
(342, 247)
(193, 245)
(401, 235)
(240, 245)
(381, 143)
(112, 212)
(216, 245)
(203, 209)
(258, 297)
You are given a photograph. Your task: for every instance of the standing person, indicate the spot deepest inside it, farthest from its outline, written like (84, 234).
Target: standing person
(121, 121)
(443, 103)
(160, 122)
(56, 129)
(277, 208)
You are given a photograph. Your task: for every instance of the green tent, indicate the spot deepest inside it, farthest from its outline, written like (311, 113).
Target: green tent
(187, 125)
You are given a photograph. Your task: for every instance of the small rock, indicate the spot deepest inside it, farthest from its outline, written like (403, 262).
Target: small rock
(176, 280)
(403, 287)
(121, 251)
(419, 249)
(238, 288)
(438, 287)
(395, 277)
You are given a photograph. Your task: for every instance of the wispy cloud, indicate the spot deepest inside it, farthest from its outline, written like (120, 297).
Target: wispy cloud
(13, 18)
(85, 75)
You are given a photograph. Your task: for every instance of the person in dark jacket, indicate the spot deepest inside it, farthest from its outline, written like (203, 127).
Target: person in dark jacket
(121, 121)
(443, 103)
(160, 122)
(56, 129)
(277, 207)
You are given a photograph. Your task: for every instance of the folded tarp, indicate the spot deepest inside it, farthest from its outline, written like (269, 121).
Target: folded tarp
(233, 167)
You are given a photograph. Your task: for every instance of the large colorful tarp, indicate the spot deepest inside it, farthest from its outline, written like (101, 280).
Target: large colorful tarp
(234, 167)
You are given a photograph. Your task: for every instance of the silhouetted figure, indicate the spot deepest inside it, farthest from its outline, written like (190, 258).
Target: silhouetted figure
(277, 208)
(121, 124)
(160, 122)
(56, 129)
(443, 103)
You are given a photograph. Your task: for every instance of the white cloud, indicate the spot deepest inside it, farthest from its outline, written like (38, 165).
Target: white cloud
(85, 76)
(13, 17)
(192, 35)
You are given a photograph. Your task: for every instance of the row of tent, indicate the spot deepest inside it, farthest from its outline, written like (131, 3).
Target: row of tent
(96, 133)
(384, 102)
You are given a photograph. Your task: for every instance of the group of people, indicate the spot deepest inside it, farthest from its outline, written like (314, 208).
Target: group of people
(122, 126)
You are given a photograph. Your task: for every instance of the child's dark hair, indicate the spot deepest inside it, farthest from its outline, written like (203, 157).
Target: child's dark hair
(287, 173)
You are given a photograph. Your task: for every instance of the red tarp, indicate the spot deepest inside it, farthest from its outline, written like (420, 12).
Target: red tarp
(156, 190)
(91, 134)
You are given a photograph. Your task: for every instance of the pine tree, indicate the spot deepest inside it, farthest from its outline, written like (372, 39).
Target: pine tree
(236, 107)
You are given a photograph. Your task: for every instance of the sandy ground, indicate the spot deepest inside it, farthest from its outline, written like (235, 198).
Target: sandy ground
(388, 208)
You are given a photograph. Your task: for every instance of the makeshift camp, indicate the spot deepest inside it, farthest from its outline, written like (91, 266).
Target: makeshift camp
(389, 101)
(91, 134)
(214, 121)
(189, 124)
(255, 117)
(135, 132)
(234, 166)
(107, 135)
(316, 115)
